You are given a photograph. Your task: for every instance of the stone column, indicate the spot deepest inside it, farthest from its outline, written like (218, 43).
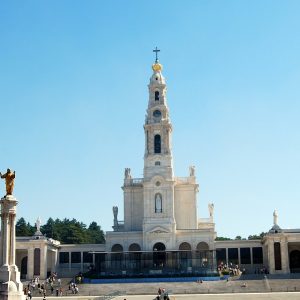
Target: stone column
(239, 257)
(227, 257)
(251, 260)
(214, 260)
(70, 257)
(43, 262)
(10, 283)
(284, 257)
(30, 262)
(5, 244)
(54, 261)
(94, 260)
(12, 240)
(81, 261)
(271, 257)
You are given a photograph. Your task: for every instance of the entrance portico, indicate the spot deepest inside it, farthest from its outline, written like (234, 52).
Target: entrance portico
(283, 250)
(36, 256)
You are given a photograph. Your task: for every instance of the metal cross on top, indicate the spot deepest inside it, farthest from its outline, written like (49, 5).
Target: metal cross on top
(156, 51)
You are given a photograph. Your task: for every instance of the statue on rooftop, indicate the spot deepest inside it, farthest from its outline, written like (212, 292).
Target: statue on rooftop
(192, 171)
(115, 212)
(127, 173)
(38, 224)
(9, 177)
(275, 217)
(211, 207)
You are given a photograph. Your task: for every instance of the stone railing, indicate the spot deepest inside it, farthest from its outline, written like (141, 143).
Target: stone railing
(182, 179)
(137, 180)
(134, 182)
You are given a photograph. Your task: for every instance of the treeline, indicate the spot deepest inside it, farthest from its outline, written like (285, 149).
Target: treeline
(66, 231)
(238, 237)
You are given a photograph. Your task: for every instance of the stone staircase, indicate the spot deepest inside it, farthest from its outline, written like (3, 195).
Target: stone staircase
(242, 284)
(237, 285)
(64, 285)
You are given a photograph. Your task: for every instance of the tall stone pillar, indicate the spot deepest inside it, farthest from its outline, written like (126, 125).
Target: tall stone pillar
(271, 257)
(54, 261)
(43, 262)
(30, 262)
(81, 261)
(285, 257)
(11, 287)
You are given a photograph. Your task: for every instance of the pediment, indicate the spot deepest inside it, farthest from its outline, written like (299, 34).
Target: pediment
(159, 229)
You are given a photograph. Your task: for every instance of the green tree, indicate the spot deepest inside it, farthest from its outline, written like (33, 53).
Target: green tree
(221, 238)
(49, 229)
(66, 231)
(256, 237)
(23, 228)
(95, 234)
(72, 232)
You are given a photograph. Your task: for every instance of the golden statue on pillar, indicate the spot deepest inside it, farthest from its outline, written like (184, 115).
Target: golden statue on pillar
(9, 177)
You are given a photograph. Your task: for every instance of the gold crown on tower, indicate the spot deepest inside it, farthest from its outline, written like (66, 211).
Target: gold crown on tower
(157, 67)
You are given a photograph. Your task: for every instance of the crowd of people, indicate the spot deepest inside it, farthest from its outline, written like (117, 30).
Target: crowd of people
(230, 269)
(51, 286)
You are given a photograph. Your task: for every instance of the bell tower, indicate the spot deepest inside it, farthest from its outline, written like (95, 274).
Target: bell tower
(158, 184)
(158, 128)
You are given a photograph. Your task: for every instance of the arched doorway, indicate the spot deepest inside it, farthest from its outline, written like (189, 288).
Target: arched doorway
(202, 254)
(185, 256)
(295, 261)
(159, 255)
(24, 267)
(135, 256)
(117, 257)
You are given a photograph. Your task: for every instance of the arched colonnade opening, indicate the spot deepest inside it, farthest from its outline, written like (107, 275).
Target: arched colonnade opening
(132, 261)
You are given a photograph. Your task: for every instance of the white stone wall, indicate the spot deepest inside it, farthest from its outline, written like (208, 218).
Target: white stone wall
(185, 206)
(133, 208)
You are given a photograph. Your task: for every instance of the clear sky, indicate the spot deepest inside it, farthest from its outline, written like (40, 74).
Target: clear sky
(73, 96)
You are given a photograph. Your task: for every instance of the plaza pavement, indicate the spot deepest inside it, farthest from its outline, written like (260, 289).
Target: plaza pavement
(236, 296)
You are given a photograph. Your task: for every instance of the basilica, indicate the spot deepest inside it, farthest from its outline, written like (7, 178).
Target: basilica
(161, 234)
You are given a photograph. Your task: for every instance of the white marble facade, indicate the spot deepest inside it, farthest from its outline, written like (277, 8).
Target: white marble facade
(160, 208)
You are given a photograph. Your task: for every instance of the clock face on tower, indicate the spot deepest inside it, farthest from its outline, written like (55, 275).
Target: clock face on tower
(157, 114)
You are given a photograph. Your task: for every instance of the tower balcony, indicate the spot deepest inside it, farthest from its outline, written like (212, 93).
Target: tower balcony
(133, 182)
(185, 180)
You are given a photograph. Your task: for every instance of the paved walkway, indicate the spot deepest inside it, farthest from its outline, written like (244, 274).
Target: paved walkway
(251, 296)
(237, 296)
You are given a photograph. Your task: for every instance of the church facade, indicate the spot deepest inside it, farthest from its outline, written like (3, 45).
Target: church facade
(161, 232)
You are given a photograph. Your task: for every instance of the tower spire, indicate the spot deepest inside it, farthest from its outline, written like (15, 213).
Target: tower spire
(156, 54)
(158, 128)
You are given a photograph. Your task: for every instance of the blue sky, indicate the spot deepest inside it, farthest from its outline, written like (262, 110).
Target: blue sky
(73, 96)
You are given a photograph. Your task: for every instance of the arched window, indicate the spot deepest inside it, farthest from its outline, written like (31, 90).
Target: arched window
(157, 144)
(158, 203)
(156, 95)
